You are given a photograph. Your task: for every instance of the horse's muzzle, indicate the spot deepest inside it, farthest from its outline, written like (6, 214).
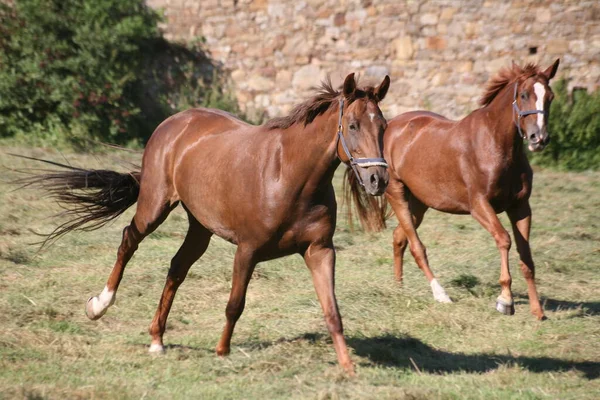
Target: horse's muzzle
(375, 180)
(538, 142)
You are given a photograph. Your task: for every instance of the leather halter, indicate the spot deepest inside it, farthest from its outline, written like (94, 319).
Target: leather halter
(520, 113)
(355, 162)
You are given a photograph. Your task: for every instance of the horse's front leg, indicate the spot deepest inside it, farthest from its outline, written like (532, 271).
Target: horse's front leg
(243, 266)
(320, 259)
(483, 212)
(520, 218)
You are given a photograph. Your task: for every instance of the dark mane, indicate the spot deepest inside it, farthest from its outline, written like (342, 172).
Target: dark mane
(504, 77)
(325, 99)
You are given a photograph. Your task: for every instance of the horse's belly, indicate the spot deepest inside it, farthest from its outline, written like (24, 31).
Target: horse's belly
(441, 196)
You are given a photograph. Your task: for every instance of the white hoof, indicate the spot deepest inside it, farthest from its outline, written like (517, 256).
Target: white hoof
(439, 294)
(156, 348)
(96, 306)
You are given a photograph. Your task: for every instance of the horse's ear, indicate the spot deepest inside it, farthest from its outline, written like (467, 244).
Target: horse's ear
(551, 71)
(382, 89)
(349, 85)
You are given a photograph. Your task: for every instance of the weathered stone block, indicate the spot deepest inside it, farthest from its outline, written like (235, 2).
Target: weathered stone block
(578, 46)
(543, 15)
(439, 79)
(435, 43)
(557, 46)
(306, 76)
(377, 71)
(283, 78)
(258, 5)
(465, 66)
(428, 19)
(260, 83)
(447, 13)
(238, 75)
(403, 48)
(339, 19)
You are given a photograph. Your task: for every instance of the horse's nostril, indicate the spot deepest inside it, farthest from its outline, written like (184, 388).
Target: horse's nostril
(532, 136)
(374, 179)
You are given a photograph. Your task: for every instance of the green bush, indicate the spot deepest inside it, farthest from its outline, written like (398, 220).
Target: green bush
(574, 128)
(74, 70)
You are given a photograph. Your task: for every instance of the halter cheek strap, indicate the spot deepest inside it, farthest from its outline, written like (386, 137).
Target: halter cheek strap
(355, 162)
(520, 113)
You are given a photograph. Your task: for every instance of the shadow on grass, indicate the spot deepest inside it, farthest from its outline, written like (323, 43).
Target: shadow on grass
(180, 347)
(408, 352)
(310, 337)
(588, 307)
(390, 351)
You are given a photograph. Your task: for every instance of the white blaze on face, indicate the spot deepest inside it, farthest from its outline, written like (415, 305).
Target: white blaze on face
(540, 93)
(371, 115)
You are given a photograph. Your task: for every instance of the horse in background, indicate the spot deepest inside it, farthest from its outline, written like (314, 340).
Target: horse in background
(267, 189)
(475, 166)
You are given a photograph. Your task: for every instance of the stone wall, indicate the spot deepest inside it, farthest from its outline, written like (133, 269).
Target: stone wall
(439, 53)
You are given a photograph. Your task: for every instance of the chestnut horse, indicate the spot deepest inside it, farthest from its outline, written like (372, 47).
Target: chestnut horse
(476, 165)
(267, 189)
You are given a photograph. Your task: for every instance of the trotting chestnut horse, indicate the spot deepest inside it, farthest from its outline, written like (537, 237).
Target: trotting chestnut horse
(473, 166)
(268, 189)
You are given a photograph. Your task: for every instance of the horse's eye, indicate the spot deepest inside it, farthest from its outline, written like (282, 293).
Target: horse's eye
(353, 126)
(523, 95)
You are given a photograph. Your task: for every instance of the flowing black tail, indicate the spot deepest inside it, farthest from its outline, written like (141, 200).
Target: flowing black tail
(91, 198)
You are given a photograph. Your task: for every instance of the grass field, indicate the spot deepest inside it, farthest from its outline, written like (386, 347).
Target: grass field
(404, 345)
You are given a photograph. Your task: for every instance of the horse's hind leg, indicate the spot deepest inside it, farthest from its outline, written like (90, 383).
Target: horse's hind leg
(520, 218)
(152, 209)
(400, 240)
(409, 221)
(194, 245)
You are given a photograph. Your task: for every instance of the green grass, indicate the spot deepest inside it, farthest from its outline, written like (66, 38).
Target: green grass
(404, 345)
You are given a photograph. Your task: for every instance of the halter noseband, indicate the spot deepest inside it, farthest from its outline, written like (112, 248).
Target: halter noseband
(355, 162)
(520, 113)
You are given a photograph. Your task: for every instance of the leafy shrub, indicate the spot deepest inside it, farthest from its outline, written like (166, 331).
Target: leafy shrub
(574, 127)
(73, 70)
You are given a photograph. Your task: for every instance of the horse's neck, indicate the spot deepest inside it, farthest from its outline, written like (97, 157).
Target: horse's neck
(502, 124)
(314, 146)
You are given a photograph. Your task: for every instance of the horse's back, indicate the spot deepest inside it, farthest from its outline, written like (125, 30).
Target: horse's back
(417, 132)
(174, 136)
(193, 123)
(425, 151)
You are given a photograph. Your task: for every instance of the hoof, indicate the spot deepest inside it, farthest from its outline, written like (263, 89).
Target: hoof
(89, 310)
(349, 369)
(222, 352)
(540, 317)
(156, 348)
(439, 294)
(506, 308)
(443, 298)
(96, 306)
